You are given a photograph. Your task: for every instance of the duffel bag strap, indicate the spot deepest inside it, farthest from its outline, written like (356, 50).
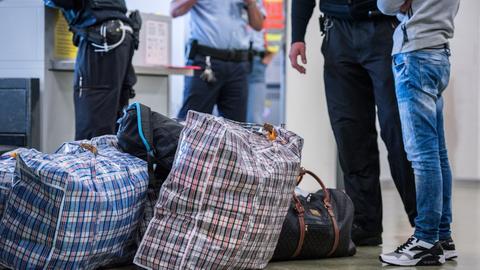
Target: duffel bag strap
(301, 220)
(328, 205)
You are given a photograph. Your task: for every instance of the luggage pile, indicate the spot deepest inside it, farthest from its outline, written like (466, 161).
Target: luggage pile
(206, 194)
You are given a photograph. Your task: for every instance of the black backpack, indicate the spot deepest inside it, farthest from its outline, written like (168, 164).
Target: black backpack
(150, 136)
(349, 9)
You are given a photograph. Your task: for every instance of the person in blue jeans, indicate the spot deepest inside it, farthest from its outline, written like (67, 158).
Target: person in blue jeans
(257, 85)
(422, 69)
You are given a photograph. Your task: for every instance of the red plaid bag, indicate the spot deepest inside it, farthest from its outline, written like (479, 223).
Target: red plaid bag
(225, 200)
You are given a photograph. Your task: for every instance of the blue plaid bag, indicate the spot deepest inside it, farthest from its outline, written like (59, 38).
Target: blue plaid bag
(80, 208)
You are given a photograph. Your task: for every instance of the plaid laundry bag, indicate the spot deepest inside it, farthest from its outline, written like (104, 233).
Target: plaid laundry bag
(224, 202)
(80, 208)
(7, 167)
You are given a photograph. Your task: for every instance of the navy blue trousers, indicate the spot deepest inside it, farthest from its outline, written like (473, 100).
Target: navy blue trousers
(229, 92)
(102, 86)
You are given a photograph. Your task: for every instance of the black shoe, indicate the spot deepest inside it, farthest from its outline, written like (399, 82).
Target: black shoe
(362, 237)
(449, 249)
(415, 252)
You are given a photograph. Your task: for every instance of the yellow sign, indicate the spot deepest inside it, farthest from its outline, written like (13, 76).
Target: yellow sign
(64, 48)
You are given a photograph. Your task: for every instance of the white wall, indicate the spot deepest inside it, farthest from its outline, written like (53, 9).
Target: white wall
(478, 107)
(462, 113)
(306, 111)
(179, 32)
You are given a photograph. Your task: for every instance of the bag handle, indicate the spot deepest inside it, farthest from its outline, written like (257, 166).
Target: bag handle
(145, 130)
(145, 126)
(301, 213)
(303, 172)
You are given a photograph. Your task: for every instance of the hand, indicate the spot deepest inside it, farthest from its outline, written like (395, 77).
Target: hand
(267, 59)
(406, 6)
(249, 3)
(298, 49)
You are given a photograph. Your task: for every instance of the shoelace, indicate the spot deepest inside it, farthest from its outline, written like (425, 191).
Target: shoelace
(404, 246)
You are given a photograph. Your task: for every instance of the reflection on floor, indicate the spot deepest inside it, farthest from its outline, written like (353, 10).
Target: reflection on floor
(466, 234)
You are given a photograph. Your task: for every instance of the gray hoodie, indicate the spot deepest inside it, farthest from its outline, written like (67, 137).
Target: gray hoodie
(428, 23)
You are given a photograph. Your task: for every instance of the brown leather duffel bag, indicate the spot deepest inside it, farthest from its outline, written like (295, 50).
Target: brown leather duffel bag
(317, 226)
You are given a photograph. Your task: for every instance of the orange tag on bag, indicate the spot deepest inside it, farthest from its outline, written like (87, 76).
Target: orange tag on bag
(89, 147)
(272, 133)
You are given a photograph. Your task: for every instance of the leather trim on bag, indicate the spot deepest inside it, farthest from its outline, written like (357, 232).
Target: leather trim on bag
(301, 221)
(328, 206)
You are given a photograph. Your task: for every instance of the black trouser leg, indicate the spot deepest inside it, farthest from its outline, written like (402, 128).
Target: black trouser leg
(232, 102)
(378, 64)
(351, 106)
(352, 115)
(200, 95)
(99, 91)
(229, 91)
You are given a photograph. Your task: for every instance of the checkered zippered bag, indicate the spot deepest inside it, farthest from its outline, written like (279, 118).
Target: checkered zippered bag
(80, 208)
(225, 200)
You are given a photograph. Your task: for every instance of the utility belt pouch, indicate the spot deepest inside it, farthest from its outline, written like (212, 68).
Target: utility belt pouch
(321, 21)
(192, 49)
(136, 24)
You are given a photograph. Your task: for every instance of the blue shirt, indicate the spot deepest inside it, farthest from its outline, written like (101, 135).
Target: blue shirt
(258, 39)
(221, 24)
(73, 16)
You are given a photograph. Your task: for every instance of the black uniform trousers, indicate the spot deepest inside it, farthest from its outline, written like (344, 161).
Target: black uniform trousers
(359, 84)
(229, 91)
(102, 86)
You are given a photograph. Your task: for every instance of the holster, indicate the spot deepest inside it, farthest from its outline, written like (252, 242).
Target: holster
(136, 24)
(192, 49)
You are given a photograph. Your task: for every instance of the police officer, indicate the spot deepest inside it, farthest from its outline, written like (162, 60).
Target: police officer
(219, 43)
(104, 75)
(358, 83)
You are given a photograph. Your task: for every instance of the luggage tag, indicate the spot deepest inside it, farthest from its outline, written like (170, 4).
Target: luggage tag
(271, 132)
(90, 148)
(208, 75)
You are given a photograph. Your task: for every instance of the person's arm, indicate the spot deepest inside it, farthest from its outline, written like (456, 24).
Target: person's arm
(255, 16)
(181, 7)
(302, 11)
(393, 7)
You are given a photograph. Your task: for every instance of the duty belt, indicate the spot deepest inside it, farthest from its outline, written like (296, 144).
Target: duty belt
(260, 54)
(225, 55)
(107, 31)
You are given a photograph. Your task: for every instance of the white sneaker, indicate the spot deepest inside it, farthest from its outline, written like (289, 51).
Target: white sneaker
(415, 252)
(449, 249)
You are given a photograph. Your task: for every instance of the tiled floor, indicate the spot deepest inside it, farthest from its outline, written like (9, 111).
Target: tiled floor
(466, 234)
